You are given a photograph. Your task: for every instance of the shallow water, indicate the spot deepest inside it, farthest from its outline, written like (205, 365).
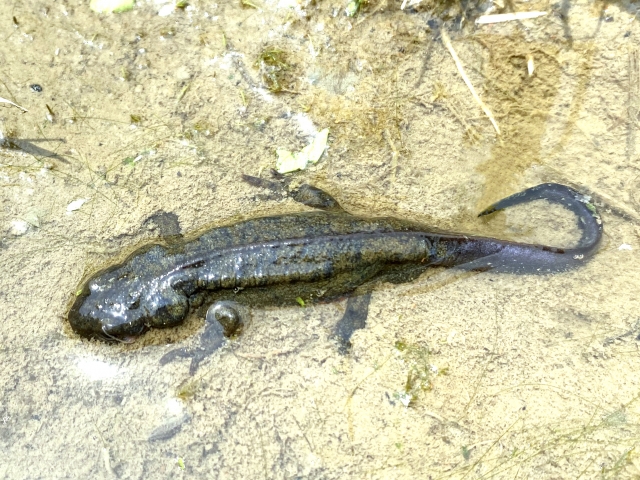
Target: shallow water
(456, 375)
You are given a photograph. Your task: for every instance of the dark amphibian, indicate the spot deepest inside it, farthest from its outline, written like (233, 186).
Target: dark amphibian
(312, 256)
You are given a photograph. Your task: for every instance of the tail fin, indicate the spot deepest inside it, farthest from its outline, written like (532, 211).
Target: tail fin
(589, 221)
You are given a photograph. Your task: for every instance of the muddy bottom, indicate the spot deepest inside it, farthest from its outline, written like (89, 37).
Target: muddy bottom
(125, 128)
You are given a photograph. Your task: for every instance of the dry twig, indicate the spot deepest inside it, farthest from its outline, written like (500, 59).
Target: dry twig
(508, 17)
(4, 100)
(447, 42)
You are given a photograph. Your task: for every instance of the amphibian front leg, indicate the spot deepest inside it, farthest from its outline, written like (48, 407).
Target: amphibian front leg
(228, 315)
(223, 320)
(354, 318)
(306, 194)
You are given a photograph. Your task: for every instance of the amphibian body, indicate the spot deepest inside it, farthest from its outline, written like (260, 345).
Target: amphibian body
(311, 256)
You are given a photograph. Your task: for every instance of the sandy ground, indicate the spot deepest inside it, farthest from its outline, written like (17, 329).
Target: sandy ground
(455, 376)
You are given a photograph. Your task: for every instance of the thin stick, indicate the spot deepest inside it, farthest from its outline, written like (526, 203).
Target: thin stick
(507, 17)
(447, 42)
(4, 100)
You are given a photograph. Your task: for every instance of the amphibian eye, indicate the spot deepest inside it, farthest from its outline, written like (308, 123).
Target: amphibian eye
(133, 300)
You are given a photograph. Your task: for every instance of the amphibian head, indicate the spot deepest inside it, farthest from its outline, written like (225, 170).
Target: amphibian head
(125, 301)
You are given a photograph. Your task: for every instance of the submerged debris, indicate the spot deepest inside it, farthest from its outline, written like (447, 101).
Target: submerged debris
(291, 161)
(75, 205)
(274, 69)
(169, 428)
(416, 358)
(111, 6)
(354, 6)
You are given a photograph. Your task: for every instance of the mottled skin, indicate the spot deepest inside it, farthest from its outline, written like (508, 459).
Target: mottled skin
(312, 255)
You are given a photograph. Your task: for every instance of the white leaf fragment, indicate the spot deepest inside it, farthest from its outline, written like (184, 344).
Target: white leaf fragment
(111, 6)
(76, 204)
(404, 398)
(18, 227)
(291, 161)
(32, 218)
(530, 66)
(166, 10)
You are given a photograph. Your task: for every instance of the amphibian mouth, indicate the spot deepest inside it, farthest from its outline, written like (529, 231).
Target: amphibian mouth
(313, 255)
